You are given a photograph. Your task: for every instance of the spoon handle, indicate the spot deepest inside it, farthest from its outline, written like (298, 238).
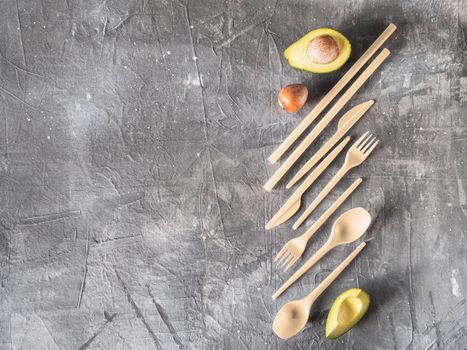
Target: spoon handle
(333, 275)
(305, 267)
(311, 231)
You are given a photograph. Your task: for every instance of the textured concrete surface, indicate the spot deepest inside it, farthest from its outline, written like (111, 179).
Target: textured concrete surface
(134, 137)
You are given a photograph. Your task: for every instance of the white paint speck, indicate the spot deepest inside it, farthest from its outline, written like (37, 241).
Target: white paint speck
(88, 96)
(259, 289)
(48, 137)
(191, 81)
(407, 78)
(456, 291)
(449, 204)
(195, 58)
(191, 27)
(168, 52)
(238, 330)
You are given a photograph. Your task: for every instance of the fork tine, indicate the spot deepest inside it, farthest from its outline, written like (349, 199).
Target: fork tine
(367, 153)
(356, 143)
(364, 142)
(284, 257)
(368, 144)
(290, 257)
(281, 252)
(293, 261)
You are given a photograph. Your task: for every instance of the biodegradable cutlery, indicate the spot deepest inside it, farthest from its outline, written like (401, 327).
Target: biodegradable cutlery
(282, 148)
(293, 316)
(293, 203)
(294, 248)
(344, 125)
(355, 156)
(326, 120)
(348, 227)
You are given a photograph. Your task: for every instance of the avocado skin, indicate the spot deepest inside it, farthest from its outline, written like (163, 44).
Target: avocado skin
(296, 55)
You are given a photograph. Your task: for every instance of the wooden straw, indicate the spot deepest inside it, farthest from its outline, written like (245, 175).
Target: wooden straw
(285, 145)
(326, 120)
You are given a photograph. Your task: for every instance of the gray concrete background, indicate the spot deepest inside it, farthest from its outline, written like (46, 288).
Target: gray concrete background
(134, 137)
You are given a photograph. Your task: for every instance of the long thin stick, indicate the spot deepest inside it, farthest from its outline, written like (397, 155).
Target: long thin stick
(285, 145)
(302, 147)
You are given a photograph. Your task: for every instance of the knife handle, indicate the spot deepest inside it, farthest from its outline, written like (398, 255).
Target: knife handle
(331, 142)
(316, 157)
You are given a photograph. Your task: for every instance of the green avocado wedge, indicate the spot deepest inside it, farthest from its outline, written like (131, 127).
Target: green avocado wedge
(298, 56)
(348, 308)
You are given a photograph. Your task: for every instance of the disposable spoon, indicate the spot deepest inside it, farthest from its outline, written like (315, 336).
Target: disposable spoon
(293, 316)
(348, 227)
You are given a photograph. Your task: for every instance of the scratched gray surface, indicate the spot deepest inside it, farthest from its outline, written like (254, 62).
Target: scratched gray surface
(134, 137)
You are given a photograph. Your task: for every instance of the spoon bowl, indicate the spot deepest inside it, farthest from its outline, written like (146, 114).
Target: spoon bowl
(350, 226)
(290, 319)
(293, 316)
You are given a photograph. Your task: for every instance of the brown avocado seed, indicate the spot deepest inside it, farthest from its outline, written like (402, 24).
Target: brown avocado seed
(322, 50)
(292, 97)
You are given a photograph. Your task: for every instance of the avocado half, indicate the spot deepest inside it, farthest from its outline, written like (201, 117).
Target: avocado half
(346, 311)
(296, 54)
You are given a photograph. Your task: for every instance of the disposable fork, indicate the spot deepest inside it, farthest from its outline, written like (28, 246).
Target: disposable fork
(356, 155)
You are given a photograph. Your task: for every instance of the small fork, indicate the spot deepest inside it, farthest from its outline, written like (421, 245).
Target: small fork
(356, 155)
(294, 248)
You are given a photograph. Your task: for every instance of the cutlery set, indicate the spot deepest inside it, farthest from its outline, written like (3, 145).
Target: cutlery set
(352, 224)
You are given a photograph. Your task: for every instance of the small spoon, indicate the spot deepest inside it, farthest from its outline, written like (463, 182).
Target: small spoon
(348, 227)
(293, 316)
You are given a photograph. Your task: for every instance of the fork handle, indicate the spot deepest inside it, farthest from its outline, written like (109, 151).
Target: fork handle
(325, 191)
(305, 267)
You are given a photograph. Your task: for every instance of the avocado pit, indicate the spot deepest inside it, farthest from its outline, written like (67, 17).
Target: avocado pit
(323, 50)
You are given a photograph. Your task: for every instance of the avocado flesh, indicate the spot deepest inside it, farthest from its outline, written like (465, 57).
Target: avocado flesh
(346, 311)
(296, 54)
